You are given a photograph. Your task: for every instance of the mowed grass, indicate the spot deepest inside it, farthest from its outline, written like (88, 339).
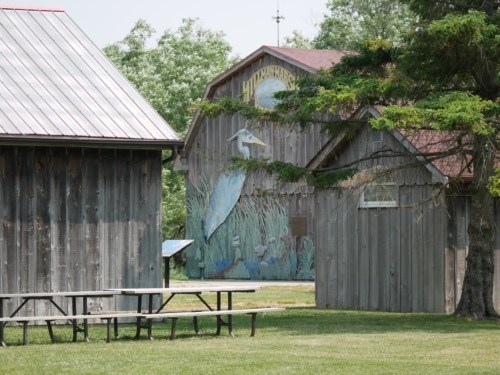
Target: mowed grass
(301, 340)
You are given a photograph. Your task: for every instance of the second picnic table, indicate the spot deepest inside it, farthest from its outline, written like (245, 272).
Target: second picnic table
(151, 292)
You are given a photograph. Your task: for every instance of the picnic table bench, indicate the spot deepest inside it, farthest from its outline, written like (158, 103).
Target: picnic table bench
(49, 296)
(151, 292)
(49, 319)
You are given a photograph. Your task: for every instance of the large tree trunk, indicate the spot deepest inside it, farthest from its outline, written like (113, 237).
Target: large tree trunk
(477, 293)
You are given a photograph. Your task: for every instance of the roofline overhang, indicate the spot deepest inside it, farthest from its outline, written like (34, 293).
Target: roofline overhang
(31, 140)
(198, 117)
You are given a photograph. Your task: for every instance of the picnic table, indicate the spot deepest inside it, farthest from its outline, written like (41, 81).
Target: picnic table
(151, 292)
(84, 295)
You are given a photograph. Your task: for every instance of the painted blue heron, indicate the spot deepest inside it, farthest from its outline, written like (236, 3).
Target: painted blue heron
(228, 187)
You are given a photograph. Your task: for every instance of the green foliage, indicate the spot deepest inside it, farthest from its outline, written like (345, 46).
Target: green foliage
(494, 183)
(172, 75)
(349, 23)
(287, 172)
(297, 40)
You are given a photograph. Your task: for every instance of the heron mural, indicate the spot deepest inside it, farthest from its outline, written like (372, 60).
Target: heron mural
(242, 237)
(228, 187)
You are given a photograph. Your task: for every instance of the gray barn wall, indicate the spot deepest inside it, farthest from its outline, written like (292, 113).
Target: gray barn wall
(408, 259)
(75, 219)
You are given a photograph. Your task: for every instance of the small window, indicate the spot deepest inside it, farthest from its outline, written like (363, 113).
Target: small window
(376, 136)
(379, 195)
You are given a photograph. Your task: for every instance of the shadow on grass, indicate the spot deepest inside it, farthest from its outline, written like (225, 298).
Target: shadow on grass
(312, 321)
(293, 321)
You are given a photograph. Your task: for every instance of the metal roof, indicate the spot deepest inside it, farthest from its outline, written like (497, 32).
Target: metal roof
(56, 85)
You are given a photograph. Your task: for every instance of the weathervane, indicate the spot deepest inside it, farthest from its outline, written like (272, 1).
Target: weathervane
(278, 18)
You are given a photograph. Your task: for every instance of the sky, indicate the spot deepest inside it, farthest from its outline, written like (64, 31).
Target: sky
(247, 24)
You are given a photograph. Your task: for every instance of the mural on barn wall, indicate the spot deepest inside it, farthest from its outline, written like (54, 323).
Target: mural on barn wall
(252, 243)
(245, 236)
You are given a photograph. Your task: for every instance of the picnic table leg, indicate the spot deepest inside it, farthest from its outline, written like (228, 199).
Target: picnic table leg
(85, 321)
(219, 323)
(116, 328)
(172, 332)
(150, 321)
(75, 326)
(108, 321)
(230, 317)
(25, 333)
(2, 341)
(49, 327)
(139, 309)
(195, 323)
(254, 316)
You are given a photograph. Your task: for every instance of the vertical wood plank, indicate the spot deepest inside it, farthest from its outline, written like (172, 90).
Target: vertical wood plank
(91, 197)
(406, 249)
(10, 265)
(429, 284)
(75, 236)
(351, 234)
(395, 260)
(321, 273)
(42, 228)
(364, 259)
(416, 251)
(384, 260)
(373, 216)
(332, 245)
(340, 208)
(27, 271)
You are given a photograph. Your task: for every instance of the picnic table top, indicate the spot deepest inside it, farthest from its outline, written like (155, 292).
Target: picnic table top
(140, 291)
(47, 295)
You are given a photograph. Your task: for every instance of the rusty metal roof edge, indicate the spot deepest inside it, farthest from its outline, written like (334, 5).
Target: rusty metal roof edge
(90, 142)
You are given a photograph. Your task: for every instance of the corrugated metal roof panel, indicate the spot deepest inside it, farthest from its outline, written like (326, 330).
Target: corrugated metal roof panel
(55, 82)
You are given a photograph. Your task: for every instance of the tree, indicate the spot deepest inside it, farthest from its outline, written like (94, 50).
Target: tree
(172, 75)
(350, 22)
(442, 77)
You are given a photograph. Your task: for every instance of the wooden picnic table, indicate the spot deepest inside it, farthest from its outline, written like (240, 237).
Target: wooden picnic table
(50, 297)
(151, 292)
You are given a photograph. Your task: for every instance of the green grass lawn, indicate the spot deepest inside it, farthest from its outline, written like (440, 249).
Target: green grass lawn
(301, 340)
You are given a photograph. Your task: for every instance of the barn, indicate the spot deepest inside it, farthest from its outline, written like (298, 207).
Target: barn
(80, 162)
(366, 249)
(269, 233)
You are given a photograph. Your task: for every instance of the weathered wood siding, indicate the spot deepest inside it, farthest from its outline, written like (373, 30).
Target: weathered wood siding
(387, 259)
(75, 219)
(407, 259)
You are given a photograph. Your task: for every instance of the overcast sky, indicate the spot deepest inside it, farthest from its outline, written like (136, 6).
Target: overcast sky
(246, 23)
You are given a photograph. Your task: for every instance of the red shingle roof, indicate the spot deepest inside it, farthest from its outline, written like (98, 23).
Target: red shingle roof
(431, 141)
(313, 58)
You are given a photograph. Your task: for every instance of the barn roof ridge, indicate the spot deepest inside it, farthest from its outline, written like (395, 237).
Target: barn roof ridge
(31, 8)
